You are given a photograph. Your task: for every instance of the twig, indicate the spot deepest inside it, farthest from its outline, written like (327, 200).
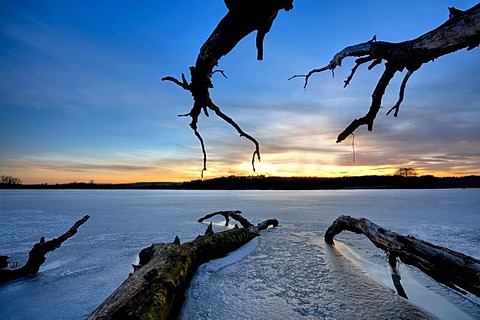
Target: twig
(242, 133)
(358, 63)
(377, 95)
(401, 94)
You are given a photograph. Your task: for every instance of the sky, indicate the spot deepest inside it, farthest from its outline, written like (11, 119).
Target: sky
(81, 96)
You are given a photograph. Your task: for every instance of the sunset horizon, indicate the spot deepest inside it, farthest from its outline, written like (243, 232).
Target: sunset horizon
(82, 97)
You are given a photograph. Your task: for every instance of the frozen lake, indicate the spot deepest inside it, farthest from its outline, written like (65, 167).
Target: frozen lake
(288, 272)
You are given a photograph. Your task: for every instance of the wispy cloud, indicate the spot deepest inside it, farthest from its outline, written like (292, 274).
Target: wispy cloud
(82, 99)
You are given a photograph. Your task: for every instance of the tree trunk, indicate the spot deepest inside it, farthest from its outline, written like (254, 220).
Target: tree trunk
(453, 269)
(36, 256)
(156, 289)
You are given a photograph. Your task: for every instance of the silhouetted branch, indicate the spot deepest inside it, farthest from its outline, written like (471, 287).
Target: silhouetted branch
(401, 94)
(358, 63)
(462, 30)
(235, 215)
(243, 18)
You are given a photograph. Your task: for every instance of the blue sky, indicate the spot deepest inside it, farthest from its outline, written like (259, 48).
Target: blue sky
(81, 97)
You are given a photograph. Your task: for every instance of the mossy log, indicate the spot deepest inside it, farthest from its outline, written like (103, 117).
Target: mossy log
(156, 289)
(453, 269)
(36, 256)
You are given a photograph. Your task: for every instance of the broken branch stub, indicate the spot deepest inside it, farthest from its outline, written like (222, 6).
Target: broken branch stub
(243, 17)
(460, 31)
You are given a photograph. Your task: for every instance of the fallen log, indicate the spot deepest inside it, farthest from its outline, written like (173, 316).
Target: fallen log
(453, 269)
(36, 256)
(156, 288)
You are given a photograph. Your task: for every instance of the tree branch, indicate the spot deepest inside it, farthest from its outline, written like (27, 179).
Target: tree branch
(236, 215)
(377, 95)
(462, 30)
(358, 63)
(401, 94)
(243, 17)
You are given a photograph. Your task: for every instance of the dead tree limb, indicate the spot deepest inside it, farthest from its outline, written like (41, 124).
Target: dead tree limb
(453, 269)
(243, 17)
(156, 289)
(461, 30)
(236, 215)
(36, 256)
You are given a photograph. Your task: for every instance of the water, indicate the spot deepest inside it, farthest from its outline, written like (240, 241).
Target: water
(288, 272)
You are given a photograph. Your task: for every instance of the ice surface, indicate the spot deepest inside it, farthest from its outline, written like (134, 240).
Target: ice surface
(288, 272)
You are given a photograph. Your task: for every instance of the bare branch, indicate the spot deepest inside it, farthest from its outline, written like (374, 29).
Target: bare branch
(241, 20)
(234, 214)
(461, 31)
(242, 133)
(183, 84)
(359, 50)
(308, 75)
(401, 94)
(220, 71)
(358, 63)
(374, 107)
(374, 63)
(197, 134)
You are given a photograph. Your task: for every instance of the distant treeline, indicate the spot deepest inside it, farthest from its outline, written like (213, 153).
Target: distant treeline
(280, 183)
(313, 183)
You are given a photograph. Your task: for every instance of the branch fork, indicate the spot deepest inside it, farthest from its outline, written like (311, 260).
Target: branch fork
(243, 17)
(461, 30)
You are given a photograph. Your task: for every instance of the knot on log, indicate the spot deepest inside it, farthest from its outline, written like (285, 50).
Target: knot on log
(209, 230)
(151, 274)
(454, 12)
(177, 240)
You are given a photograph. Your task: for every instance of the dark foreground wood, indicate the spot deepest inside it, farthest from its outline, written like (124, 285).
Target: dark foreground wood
(453, 269)
(36, 256)
(156, 289)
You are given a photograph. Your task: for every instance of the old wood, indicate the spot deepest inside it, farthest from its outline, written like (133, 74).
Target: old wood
(36, 256)
(460, 31)
(234, 214)
(156, 289)
(455, 270)
(243, 18)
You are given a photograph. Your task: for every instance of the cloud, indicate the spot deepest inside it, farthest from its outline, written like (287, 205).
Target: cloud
(102, 111)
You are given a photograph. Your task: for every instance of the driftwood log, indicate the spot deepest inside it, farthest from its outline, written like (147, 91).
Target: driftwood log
(453, 269)
(36, 256)
(461, 30)
(243, 18)
(156, 288)
(236, 215)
